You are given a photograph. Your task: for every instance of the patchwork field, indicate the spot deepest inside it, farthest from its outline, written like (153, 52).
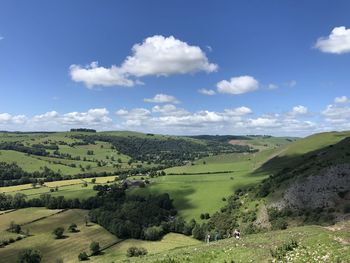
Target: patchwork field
(69, 247)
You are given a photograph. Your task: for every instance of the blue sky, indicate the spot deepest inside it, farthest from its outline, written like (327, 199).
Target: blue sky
(270, 67)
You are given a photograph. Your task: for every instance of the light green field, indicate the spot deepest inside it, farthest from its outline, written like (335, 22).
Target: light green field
(194, 194)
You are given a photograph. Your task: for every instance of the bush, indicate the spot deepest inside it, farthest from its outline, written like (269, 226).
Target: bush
(136, 251)
(73, 228)
(58, 232)
(95, 248)
(153, 233)
(347, 208)
(29, 256)
(279, 223)
(83, 256)
(280, 252)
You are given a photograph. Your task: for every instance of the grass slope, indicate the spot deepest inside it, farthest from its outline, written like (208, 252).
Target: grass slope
(316, 244)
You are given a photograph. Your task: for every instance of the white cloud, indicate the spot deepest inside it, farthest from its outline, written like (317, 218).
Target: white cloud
(6, 118)
(91, 117)
(208, 92)
(263, 122)
(340, 100)
(169, 109)
(337, 114)
(240, 111)
(156, 55)
(238, 85)
(93, 75)
(164, 56)
(272, 86)
(162, 98)
(299, 110)
(338, 42)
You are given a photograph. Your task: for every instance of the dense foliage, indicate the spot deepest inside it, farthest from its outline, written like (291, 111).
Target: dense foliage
(167, 151)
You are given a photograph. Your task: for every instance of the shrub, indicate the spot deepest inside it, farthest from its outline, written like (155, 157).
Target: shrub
(58, 232)
(29, 256)
(73, 228)
(153, 233)
(136, 251)
(281, 251)
(95, 248)
(11, 240)
(347, 208)
(83, 256)
(279, 223)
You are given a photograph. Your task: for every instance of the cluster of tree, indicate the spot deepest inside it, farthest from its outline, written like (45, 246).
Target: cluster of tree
(166, 151)
(12, 174)
(131, 216)
(19, 147)
(82, 130)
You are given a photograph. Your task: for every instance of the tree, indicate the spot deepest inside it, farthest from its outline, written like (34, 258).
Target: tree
(58, 232)
(15, 228)
(153, 233)
(73, 228)
(95, 248)
(83, 256)
(29, 256)
(93, 180)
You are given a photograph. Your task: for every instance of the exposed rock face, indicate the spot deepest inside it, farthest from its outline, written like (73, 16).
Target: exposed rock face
(323, 190)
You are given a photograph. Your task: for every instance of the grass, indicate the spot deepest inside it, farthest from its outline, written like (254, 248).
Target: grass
(194, 194)
(53, 249)
(168, 242)
(316, 244)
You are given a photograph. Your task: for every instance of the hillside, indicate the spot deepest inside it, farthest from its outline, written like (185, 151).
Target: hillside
(312, 176)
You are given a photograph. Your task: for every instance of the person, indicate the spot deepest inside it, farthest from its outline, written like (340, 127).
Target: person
(237, 234)
(208, 238)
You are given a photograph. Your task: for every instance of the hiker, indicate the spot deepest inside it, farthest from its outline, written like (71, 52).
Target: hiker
(237, 234)
(208, 238)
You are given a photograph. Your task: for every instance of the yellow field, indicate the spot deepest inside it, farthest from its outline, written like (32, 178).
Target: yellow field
(64, 182)
(101, 180)
(7, 189)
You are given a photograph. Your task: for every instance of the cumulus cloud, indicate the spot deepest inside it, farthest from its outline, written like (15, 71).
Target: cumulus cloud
(338, 42)
(156, 55)
(337, 114)
(162, 98)
(164, 56)
(299, 110)
(6, 118)
(208, 92)
(93, 75)
(238, 85)
(340, 100)
(240, 111)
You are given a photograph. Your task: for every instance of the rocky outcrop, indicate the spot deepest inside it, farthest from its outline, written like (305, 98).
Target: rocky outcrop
(324, 190)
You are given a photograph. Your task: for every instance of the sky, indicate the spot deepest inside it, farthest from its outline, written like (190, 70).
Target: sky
(175, 67)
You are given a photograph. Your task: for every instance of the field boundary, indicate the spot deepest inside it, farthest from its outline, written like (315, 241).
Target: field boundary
(44, 217)
(202, 173)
